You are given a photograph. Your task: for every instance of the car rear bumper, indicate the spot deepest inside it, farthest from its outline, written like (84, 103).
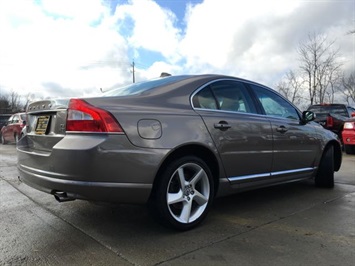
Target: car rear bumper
(348, 137)
(94, 191)
(100, 168)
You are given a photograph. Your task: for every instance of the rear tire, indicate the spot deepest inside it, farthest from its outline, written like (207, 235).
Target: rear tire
(325, 173)
(183, 193)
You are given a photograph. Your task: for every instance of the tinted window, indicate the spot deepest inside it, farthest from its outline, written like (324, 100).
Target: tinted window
(275, 105)
(205, 99)
(140, 87)
(226, 96)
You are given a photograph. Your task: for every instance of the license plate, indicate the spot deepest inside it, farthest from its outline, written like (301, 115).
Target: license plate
(42, 124)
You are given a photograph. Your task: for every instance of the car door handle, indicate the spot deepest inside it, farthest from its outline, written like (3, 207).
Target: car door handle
(222, 125)
(281, 129)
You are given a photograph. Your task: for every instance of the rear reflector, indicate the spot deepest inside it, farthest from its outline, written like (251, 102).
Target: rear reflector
(330, 122)
(83, 116)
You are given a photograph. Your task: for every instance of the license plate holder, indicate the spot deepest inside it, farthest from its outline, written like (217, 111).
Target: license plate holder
(42, 124)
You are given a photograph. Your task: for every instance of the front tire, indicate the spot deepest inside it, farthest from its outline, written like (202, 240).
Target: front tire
(325, 173)
(183, 193)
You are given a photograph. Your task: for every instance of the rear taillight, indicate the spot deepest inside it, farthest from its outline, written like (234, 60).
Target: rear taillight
(330, 121)
(83, 116)
(349, 125)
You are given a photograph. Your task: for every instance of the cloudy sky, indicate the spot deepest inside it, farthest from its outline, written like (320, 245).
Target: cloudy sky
(54, 48)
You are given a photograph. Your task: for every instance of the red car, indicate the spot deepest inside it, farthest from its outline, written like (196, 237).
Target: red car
(11, 131)
(348, 136)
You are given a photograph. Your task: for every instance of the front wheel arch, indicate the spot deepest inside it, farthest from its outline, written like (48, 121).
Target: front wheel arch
(325, 173)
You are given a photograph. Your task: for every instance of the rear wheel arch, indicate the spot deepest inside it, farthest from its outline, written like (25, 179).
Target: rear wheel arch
(199, 151)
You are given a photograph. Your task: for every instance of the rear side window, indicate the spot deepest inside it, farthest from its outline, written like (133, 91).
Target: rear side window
(226, 95)
(275, 105)
(205, 99)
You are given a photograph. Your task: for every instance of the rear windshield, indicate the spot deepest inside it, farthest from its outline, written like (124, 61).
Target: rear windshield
(326, 109)
(140, 87)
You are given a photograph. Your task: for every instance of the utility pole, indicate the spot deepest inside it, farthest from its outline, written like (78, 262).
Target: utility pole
(134, 78)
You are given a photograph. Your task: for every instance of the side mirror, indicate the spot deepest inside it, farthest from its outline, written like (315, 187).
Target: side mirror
(308, 116)
(353, 114)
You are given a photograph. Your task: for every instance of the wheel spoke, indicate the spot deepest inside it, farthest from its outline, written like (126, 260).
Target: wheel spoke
(175, 197)
(197, 177)
(186, 211)
(181, 177)
(199, 198)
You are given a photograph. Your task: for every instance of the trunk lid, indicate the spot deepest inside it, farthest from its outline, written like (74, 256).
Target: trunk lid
(46, 122)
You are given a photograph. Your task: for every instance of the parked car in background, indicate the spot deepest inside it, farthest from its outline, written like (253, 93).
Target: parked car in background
(11, 131)
(332, 116)
(174, 143)
(3, 119)
(348, 136)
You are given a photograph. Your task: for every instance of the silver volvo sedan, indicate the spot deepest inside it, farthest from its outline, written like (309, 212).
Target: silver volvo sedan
(174, 143)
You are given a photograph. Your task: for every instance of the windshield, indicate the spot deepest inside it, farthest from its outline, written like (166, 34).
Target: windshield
(140, 87)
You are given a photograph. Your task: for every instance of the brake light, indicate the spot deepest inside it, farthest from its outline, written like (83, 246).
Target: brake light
(349, 125)
(83, 116)
(330, 121)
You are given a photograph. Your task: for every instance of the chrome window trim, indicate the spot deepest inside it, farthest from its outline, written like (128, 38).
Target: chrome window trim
(204, 86)
(236, 112)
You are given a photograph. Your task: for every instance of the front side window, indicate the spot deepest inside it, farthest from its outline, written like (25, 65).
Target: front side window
(275, 105)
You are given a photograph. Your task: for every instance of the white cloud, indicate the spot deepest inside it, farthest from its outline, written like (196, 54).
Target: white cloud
(79, 46)
(153, 27)
(59, 42)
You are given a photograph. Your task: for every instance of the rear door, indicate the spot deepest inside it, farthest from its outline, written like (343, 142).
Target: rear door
(243, 137)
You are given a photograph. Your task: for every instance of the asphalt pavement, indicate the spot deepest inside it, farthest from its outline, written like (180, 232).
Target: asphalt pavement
(291, 224)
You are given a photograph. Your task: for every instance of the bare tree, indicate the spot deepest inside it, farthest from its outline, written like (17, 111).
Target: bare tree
(290, 87)
(11, 103)
(319, 63)
(349, 88)
(4, 105)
